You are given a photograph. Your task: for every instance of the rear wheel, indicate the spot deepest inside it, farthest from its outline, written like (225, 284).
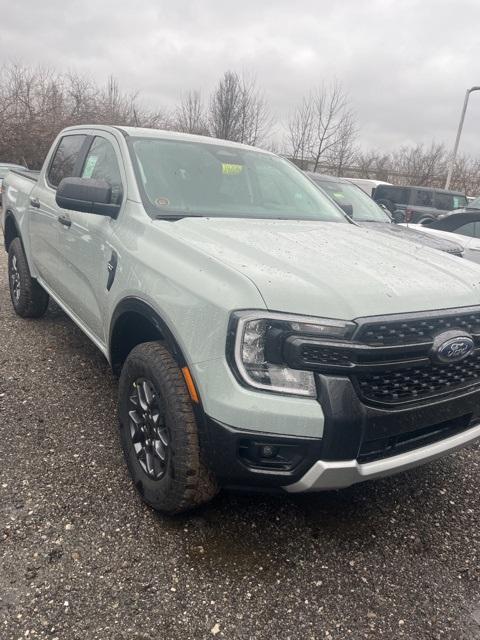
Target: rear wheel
(28, 298)
(159, 434)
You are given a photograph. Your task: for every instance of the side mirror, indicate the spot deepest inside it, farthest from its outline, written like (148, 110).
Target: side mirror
(347, 208)
(398, 216)
(86, 195)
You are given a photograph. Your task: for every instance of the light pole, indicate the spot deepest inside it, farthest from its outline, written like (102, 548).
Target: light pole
(459, 133)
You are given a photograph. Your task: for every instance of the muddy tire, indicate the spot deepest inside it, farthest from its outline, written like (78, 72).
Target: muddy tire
(159, 433)
(28, 298)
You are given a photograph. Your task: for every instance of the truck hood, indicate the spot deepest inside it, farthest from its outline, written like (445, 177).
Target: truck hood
(416, 233)
(332, 269)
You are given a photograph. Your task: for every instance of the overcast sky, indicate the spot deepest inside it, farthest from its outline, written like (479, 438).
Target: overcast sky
(405, 63)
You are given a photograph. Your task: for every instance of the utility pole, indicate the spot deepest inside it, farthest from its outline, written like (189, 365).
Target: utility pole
(459, 133)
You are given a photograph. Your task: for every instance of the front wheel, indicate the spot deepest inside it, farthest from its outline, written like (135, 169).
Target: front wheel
(159, 434)
(28, 298)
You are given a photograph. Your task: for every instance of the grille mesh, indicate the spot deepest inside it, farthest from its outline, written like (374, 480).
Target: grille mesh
(316, 354)
(416, 383)
(416, 330)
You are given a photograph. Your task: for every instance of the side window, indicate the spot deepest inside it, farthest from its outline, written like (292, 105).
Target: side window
(65, 159)
(467, 229)
(101, 164)
(422, 198)
(397, 195)
(443, 201)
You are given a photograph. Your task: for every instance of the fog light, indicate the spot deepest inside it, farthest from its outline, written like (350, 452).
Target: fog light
(281, 456)
(267, 451)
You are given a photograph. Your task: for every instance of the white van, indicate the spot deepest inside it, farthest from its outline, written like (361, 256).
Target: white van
(367, 185)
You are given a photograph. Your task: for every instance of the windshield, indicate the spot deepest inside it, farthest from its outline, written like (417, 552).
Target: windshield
(364, 208)
(182, 178)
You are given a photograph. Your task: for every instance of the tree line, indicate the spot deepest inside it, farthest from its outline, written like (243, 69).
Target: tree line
(321, 132)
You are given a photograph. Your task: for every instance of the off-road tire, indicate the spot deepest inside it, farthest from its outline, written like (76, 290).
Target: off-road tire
(29, 300)
(186, 482)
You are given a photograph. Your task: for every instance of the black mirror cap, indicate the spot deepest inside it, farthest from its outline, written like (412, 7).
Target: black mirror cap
(348, 209)
(86, 195)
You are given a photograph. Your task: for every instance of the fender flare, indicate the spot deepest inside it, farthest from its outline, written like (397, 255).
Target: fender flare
(9, 216)
(132, 304)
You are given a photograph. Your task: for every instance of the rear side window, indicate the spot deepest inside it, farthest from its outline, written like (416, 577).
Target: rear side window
(65, 159)
(444, 201)
(101, 164)
(397, 195)
(422, 198)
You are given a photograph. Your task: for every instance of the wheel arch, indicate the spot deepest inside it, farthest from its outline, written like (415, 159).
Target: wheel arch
(134, 322)
(11, 230)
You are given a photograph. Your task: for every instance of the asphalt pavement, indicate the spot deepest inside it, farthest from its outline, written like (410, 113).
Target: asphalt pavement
(81, 557)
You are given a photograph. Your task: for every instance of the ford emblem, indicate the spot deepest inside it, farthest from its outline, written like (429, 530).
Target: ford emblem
(448, 349)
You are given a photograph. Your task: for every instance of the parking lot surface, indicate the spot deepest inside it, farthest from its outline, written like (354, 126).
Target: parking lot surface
(81, 557)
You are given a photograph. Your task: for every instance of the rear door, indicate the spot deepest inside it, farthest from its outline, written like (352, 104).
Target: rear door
(44, 212)
(85, 243)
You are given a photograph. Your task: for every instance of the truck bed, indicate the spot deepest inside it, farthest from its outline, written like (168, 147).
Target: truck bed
(30, 174)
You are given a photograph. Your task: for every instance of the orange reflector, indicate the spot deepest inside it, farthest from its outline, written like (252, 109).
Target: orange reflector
(190, 385)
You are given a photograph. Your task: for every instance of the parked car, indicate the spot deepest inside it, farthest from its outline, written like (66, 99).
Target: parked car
(367, 213)
(367, 185)
(262, 339)
(462, 226)
(473, 205)
(5, 167)
(418, 204)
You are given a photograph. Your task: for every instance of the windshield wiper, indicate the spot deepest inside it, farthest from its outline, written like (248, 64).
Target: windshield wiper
(174, 217)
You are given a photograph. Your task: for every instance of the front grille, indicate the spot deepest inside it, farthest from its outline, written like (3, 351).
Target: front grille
(410, 331)
(391, 360)
(411, 384)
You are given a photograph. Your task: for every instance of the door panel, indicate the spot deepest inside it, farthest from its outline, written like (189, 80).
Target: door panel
(86, 245)
(43, 230)
(44, 212)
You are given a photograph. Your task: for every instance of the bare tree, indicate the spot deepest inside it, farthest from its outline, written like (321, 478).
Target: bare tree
(237, 110)
(36, 103)
(420, 165)
(342, 151)
(300, 132)
(190, 115)
(372, 164)
(322, 129)
(332, 115)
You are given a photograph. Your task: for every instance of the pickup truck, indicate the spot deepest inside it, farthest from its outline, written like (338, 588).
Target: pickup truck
(262, 340)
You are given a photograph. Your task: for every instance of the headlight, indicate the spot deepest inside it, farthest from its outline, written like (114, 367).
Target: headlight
(256, 348)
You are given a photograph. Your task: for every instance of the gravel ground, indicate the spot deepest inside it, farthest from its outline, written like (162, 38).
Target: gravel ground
(82, 558)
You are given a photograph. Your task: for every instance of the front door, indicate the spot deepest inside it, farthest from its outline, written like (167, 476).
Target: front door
(84, 240)
(44, 212)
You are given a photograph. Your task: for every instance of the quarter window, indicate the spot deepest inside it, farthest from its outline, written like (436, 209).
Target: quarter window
(101, 164)
(65, 159)
(443, 201)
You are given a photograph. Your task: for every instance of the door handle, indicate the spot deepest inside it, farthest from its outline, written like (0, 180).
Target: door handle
(65, 221)
(35, 202)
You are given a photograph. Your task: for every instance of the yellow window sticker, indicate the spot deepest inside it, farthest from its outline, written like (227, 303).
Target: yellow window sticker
(231, 169)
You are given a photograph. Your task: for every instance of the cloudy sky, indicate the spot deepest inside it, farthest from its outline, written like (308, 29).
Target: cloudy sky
(405, 63)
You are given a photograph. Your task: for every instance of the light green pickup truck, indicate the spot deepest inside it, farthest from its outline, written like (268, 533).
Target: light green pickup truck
(261, 338)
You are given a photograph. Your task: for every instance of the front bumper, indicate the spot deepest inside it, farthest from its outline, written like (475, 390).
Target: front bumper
(325, 475)
(358, 442)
